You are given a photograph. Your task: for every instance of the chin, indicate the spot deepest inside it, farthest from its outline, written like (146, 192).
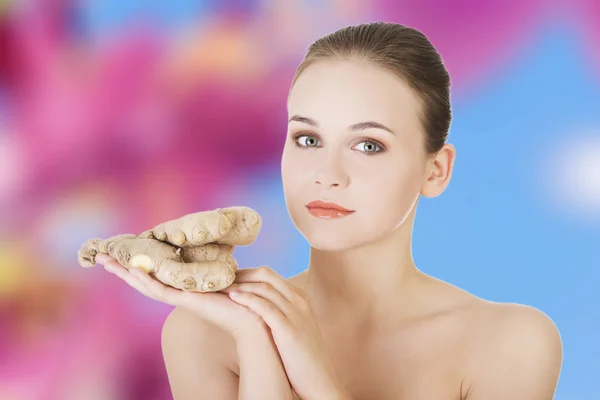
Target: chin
(330, 244)
(329, 235)
(331, 239)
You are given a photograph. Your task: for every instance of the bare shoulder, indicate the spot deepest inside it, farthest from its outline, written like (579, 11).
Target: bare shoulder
(185, 332)
(520, 326)
(199, 357)
(515, 352)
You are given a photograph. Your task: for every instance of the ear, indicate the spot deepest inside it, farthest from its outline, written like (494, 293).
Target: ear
(439, 171)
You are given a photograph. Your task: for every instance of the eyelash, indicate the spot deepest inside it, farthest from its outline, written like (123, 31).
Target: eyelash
(298, 135)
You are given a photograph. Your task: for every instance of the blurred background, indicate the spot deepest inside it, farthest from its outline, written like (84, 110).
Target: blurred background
(116, 115)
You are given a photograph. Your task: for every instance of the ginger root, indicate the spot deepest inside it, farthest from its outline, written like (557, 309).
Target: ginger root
(238, 226)
(192, 253)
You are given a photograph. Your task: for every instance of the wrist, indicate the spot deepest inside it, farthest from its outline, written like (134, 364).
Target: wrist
(261, 372)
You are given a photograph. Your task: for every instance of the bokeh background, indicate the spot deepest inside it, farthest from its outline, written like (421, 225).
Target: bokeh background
(116, 115)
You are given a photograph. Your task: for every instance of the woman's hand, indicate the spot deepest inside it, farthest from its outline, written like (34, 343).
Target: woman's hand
(287, 311)
(215, 307)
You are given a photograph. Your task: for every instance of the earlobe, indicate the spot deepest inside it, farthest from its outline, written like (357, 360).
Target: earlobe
(433, 186)
(439, 172)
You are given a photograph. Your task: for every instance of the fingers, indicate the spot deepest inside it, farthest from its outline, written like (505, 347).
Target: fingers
(279, 283)
(267, 292)
(266, 309)
(143, 283)
(117, 269)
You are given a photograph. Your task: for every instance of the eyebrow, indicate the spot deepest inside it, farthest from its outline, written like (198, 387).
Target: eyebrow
(361, 126)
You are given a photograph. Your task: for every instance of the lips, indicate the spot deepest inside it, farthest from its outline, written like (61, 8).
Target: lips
(325, 210)
(327, 206)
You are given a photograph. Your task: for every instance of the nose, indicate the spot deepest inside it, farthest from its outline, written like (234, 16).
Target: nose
(331, 174)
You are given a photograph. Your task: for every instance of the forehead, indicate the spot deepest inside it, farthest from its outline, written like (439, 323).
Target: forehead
(345, 92)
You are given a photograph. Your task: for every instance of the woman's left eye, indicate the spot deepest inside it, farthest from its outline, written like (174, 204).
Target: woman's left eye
(369, 147)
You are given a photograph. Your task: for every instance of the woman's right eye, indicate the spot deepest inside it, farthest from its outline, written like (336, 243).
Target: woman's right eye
(305, 141)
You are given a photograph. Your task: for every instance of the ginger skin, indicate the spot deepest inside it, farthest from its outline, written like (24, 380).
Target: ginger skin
(238, 226)
(192, 253)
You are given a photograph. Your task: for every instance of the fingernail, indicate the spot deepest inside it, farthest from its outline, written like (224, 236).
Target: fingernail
(234, 294)
(136, 271)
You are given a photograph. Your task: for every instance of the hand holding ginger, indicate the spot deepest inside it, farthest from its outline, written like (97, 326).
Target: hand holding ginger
(192, 253)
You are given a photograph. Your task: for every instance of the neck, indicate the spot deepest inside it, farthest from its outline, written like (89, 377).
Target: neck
(366, 281)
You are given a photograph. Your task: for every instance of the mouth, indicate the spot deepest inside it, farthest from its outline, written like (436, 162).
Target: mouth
(327, 210)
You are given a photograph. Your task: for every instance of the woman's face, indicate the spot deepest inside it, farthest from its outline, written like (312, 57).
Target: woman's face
(338, 149)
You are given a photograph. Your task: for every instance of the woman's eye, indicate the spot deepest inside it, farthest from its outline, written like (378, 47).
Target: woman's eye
(368, 147)
(307, 141)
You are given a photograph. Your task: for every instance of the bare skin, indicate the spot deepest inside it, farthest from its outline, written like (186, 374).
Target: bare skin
(439, 342)
(391, 331)
(446, 338)
(455, 340)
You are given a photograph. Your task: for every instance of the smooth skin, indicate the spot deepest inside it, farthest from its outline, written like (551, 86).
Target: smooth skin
(388, 330)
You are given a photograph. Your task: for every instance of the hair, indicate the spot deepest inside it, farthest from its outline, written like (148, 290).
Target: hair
(406, 52)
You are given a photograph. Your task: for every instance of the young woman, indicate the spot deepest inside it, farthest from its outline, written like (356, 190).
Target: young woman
(369, 114)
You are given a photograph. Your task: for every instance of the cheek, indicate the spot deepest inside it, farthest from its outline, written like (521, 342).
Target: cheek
(388, 195)
(294, 176)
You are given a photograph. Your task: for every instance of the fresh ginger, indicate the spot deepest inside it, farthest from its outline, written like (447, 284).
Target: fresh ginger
(191, 253)
(238, 226)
